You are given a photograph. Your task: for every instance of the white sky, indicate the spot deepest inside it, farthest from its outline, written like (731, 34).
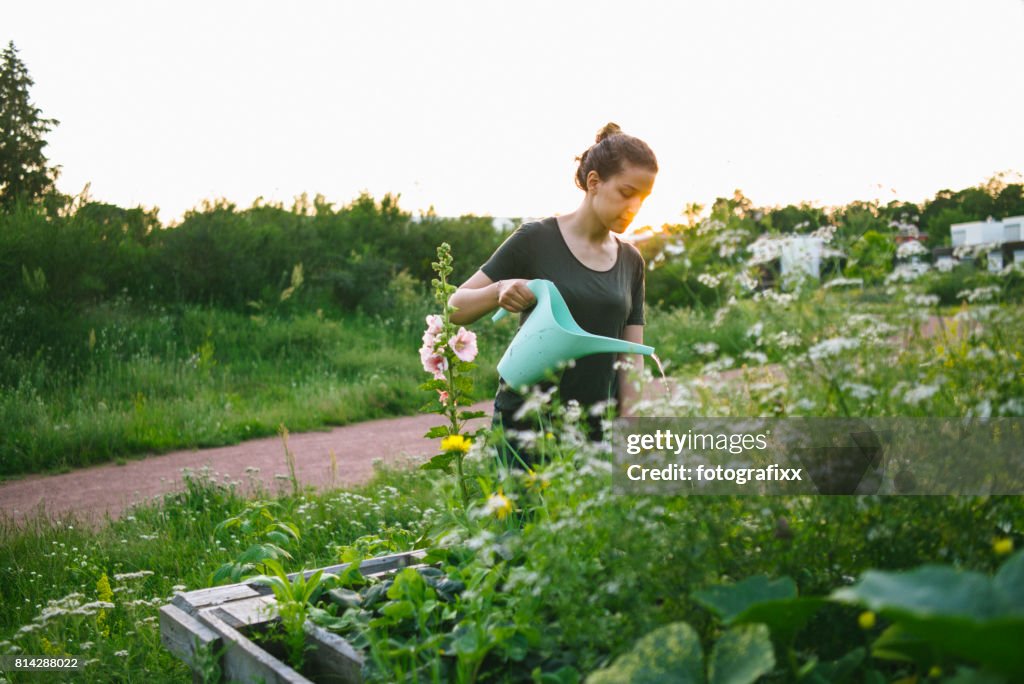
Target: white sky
(481, 107)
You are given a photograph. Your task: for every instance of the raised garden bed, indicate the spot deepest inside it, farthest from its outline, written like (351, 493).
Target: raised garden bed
(222, 626)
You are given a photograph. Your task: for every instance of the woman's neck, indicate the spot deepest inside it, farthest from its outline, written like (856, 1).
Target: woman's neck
(584, 225)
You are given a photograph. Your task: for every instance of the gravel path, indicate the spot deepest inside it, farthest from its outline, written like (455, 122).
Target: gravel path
(94, 493)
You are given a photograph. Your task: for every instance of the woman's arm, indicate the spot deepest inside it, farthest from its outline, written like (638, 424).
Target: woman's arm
(628, 396)
(480, 295)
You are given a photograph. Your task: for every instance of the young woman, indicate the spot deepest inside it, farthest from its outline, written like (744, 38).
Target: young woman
(600, 276)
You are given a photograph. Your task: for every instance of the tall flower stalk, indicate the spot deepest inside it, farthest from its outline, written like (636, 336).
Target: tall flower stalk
(447, 354)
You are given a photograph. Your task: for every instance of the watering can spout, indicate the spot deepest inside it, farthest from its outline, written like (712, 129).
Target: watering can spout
(550, 337)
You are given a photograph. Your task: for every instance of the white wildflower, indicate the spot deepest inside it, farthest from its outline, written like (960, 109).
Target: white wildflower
(916, 395)
(706, 348)
(1012, 407)
(978, 294)
(909, 249)
(843, 282)
(805, 404)
(832, 347)
(785, 339)
(760, 358)
(120, 577)
(709, 280)
(922, 300)
(533, 403)
(858, 391)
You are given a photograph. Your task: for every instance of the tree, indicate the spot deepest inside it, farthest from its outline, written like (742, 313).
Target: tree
(24, 174)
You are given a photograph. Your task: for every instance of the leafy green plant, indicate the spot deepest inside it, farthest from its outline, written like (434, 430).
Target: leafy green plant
(940, 615)
(673, 653)
(259, 523)
(295, 597)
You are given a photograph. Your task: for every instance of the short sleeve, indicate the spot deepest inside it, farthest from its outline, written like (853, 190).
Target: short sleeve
(511, 259)
(636, 314)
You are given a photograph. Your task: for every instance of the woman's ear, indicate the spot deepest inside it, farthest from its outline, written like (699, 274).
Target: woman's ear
(593, 180)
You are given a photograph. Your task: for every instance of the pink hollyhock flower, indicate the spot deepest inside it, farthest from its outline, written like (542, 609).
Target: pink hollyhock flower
(435, 324)
(442, 396)
(464, 344)
(436, 364)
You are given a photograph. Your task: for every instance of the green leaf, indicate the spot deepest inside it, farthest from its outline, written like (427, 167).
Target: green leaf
(438, 432)
(966, 675)
(741, 655)
(671, 653)
(278, 537)
(564, 675)
(345, 598)
(785, 617)
(930, 590)
(321, 617)
(398, 610)
(469, 415)
(466, 641)
(896, 643)
(440, 462)
(960, 613)
(729, 601)
(1009, 583)
(840, 670)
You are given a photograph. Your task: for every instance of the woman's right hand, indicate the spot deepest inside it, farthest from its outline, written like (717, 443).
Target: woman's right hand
(514, 295)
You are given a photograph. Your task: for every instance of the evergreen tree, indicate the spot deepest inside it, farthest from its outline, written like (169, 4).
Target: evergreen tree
(23, 171)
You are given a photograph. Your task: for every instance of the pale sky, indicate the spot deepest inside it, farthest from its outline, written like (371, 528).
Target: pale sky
(481, 107)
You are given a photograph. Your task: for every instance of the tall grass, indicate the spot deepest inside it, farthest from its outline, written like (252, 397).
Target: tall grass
(151, 379)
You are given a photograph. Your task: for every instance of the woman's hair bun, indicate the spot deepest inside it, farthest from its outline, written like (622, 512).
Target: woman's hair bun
(609, 130)
(607, 155)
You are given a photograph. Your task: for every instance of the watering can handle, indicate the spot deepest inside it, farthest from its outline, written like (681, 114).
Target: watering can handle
(504, 312)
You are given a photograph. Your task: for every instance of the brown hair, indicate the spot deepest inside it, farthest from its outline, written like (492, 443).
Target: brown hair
(611, 149)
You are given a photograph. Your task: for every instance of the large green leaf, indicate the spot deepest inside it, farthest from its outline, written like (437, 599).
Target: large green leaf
(934, 590)
(837, 671)
(784, 617)
(966, 675)
(964, 614)
(730, 600)
(1009, 583)
(896, 643)
(741, 655)
(668, 654)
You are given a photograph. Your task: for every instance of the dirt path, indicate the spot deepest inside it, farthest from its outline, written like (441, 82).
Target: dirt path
(95, 492)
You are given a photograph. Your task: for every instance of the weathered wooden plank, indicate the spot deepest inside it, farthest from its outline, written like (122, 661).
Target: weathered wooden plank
(244, 661)
(333, 659)
(375, 565)
(182, 634)
(248, 612)
(193, 601)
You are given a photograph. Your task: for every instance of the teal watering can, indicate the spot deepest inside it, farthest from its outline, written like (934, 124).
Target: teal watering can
(550, 337)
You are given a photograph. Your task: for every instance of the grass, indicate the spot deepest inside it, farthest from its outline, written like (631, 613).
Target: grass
(149, 380)
(45, 561)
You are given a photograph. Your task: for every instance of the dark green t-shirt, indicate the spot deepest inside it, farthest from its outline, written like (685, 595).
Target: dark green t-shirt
(602, 302)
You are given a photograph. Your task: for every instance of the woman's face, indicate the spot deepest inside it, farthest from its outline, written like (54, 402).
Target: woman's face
(617, 200)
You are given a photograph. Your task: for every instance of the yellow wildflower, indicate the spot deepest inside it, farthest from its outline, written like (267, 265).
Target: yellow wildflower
(498, 505)
(532, 480)
(866, 620)
(103, 593)
(935, 672)
(455, 443)
(1002, 546)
